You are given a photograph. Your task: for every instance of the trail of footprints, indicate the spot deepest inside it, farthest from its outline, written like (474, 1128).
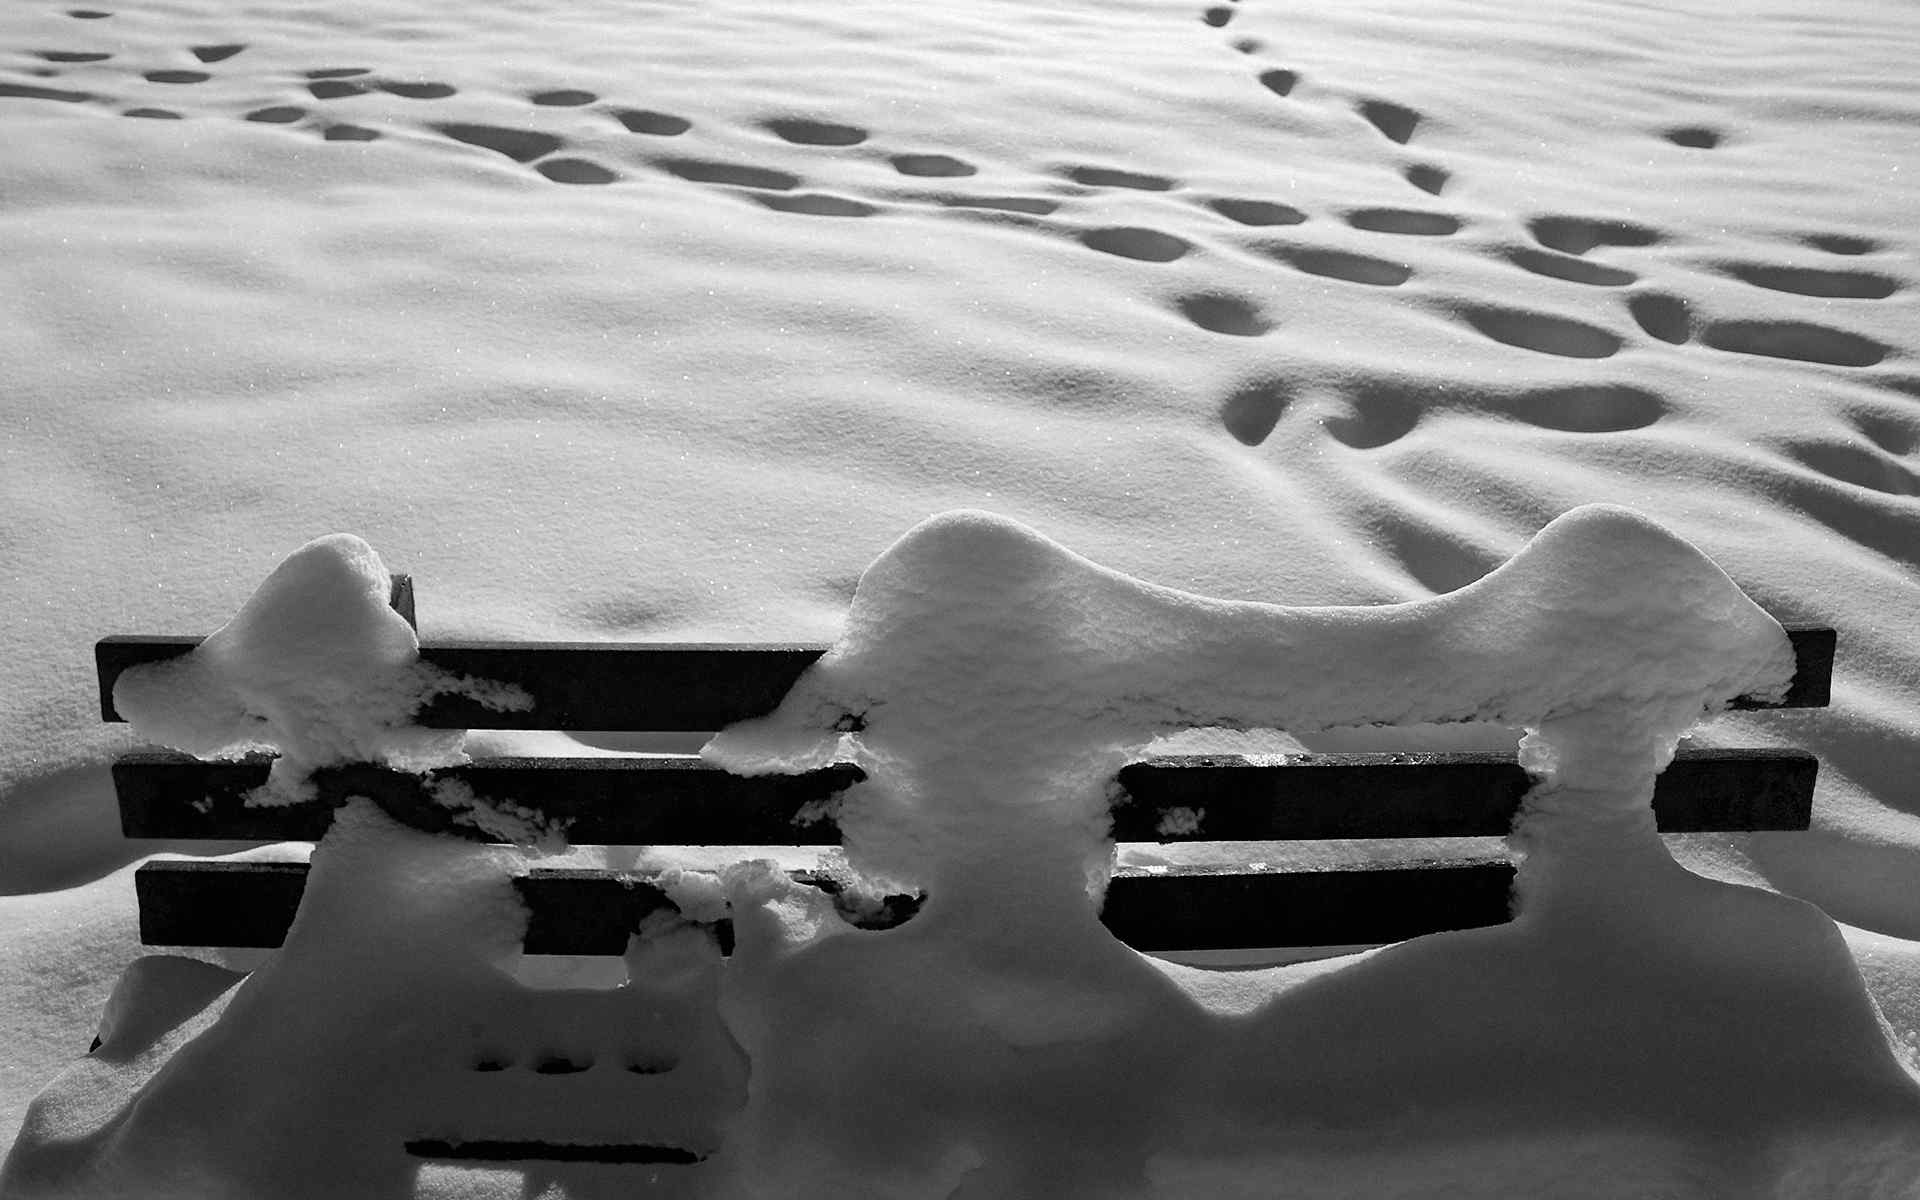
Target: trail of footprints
(1567, 248)
(1563, 247)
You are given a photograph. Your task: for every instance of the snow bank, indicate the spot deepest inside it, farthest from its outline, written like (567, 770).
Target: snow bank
(1635, 1030)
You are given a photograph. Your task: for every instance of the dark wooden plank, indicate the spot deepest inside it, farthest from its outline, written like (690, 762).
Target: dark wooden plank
(1711, 790)
(535, 1151)
(652, 686)
(400, 598)
(199, 902)
(1327, 796)
(221, 902)
(677, 801)
(593, 685)
(681, 800)
(1238, 908)
(215, 902)
(584, 911)
(695, 687)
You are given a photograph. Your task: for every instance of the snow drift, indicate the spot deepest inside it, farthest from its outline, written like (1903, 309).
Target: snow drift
(1002, 1043)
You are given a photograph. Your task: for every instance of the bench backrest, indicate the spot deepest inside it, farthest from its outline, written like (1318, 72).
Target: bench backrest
(680, 800)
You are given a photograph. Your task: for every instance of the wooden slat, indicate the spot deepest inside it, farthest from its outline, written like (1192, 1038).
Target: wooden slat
(535, 1151)
(1328, 796)
(1812, 686)
(218, 902)
(214, 902)
(693, 687)
(591, 685)
(400, 598)
(580, 910)
(654, 686)
(1231, 909)
(681, 800)
(677, 801)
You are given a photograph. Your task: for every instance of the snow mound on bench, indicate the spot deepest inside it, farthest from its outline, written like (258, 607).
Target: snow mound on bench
(315, 664)
(990, 681)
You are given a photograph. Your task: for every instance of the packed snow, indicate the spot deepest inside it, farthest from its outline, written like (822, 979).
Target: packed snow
(316, 666)
(663, 320)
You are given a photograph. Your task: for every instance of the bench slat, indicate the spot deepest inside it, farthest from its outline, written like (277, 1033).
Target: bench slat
(537, 1151)
(695, 687)
(680, 800)
(677, 801)
(216, 902)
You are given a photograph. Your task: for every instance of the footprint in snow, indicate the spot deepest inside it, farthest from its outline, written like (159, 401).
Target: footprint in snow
(1813, 281)
(1404, 221)
(654, 124)
(932, 165)
(802, 132)
(1577, 235)
(1556, 264)
(1145, 245)
(1256, 212)
(1221, 312)
(1341, 264)
(521, 145)
(1694, 137)
(1662, 316)
(417, 90)
(1115, 177)
(813, 204)
(700, 170)
(335, 87)
(1540, 332)
(1253, 410)
(1280, 81)
(1396, 122)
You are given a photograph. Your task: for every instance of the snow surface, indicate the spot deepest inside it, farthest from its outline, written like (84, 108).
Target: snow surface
(1169, 281)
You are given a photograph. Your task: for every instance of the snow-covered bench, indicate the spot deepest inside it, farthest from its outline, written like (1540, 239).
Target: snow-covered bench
(685, 801)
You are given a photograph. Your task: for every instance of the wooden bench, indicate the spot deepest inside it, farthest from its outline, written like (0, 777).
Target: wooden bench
(679, 800)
